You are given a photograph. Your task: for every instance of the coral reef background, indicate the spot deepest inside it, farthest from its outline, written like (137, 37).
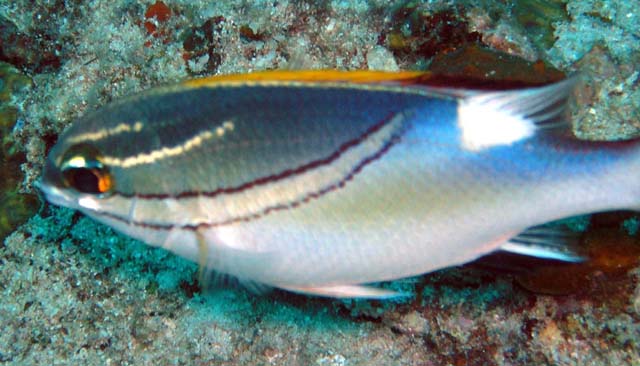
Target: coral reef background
(75, 292)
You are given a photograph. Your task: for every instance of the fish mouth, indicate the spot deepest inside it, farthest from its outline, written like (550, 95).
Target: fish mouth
(54, 195)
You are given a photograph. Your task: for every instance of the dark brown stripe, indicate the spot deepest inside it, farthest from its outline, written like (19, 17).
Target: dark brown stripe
(269, 178)
(395, 138)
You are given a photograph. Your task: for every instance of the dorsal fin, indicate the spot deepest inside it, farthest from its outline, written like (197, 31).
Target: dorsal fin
(315, 76)
(488, 119)
(543, 106)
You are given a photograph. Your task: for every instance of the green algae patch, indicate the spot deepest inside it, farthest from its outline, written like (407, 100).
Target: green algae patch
(15, 207)
(538, 17)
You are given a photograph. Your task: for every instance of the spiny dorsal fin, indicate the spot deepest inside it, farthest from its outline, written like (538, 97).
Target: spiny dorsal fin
(311, 76)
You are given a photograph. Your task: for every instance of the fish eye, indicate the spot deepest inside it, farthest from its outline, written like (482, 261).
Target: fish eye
(83, 170)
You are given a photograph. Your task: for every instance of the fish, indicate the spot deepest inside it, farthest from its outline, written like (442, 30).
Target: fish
(324, 182)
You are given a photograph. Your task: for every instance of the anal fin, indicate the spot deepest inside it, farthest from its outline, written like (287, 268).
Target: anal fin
(346, 291)
(548, 242)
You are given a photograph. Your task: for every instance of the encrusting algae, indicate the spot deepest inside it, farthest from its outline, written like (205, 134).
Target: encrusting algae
(15, 207)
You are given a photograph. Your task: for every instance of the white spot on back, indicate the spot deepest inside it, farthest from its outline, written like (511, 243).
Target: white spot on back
(484, 123)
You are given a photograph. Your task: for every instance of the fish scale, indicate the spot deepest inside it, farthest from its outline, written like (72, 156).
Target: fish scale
(321, 184)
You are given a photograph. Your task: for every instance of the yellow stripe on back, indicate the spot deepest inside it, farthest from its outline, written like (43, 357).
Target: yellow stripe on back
(311, 76)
